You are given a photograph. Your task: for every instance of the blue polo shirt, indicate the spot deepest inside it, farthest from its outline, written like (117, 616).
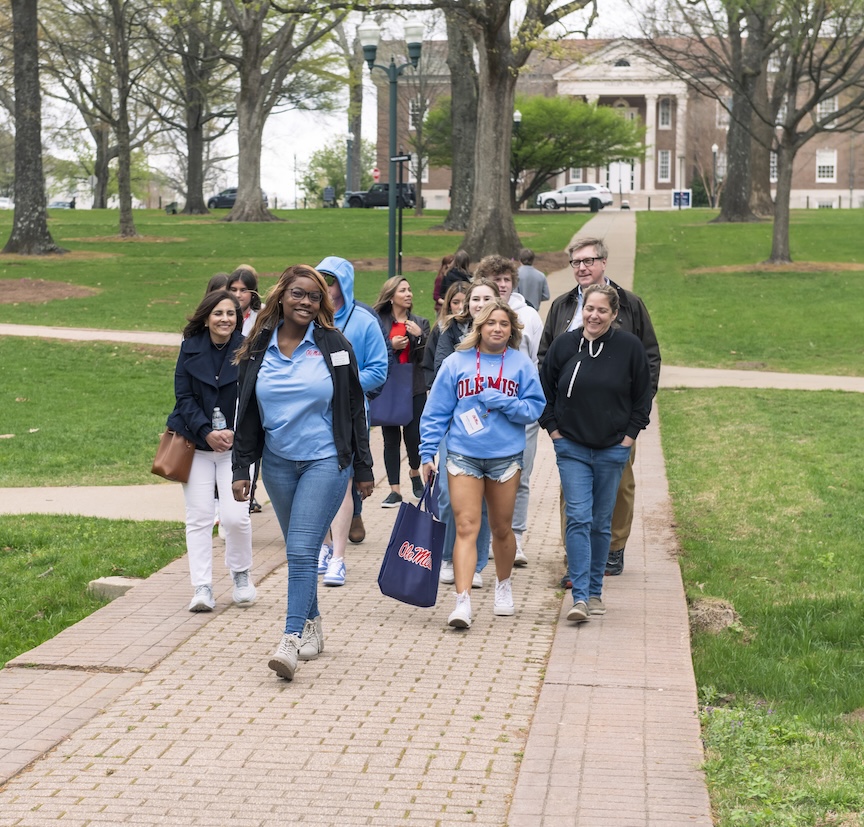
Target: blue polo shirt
(295, 399)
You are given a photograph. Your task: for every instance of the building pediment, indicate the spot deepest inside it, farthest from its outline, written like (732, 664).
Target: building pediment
(620, 62)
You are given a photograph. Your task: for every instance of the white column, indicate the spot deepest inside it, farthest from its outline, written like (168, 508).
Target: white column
(680, 140)
(650, 142)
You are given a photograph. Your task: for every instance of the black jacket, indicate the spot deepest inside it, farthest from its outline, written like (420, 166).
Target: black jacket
(350, 432)
(632, 317)
(596, 392)
(417, 347)
(197, 391)
(447, 342)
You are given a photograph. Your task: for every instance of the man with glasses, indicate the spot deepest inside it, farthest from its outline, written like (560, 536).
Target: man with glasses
(588, 259)
(360, 326)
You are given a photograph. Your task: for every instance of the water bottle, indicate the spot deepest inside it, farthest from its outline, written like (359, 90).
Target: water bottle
(219, 422)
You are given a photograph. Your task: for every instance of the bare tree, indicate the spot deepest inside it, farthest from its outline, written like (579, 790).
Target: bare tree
(277, 66)
(30, 235)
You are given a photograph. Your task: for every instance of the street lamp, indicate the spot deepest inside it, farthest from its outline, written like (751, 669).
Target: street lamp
(714, 150)
(349, 159)
(369, 36)
(514, 174)
(517, 121)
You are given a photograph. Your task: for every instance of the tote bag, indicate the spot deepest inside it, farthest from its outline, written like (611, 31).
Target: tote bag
(173, 457)
(412, 562)
(395, 404)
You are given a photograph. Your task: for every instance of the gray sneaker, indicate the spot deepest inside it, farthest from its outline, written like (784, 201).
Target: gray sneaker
(579, 612)
(284, 660)
(312, 640)
(596, 606)
(203, 600)
(244, 588)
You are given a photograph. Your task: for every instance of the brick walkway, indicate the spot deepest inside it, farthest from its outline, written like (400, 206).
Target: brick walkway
(147, 714)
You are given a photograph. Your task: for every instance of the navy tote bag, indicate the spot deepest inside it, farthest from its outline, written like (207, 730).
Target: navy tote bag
(412, 562)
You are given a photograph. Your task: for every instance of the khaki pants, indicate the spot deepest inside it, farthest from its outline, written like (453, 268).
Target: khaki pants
(622, 516)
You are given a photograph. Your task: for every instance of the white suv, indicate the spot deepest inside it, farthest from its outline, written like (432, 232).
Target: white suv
(575, 195)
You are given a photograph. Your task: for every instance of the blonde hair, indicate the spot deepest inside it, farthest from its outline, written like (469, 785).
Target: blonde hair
(472, 338)
(271, 312)
(465, 316)
(388, 290)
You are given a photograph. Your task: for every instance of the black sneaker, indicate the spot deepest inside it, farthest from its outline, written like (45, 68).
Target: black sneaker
(615, 563)
(393, 500)
(417, 485)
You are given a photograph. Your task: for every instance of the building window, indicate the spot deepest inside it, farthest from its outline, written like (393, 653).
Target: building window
(664, 120)
(772, 167)
(825, 109)
(622, 61)
(417, 108)
(826, 166)
(664, 166)
(576, 176)
(724, 106)
(412, 169)
(721, 164)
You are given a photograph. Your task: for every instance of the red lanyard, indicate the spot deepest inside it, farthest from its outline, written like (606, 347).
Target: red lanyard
(496, 385)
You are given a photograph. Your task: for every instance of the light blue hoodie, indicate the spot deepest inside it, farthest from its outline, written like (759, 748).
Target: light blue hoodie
(360, 326)
(502, 413)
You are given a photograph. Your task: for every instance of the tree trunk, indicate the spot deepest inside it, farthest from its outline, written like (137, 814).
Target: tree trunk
(30, 234)
(120, 53)
(250, 129)
(780, 253)
(355, 115)
(463, 82)
(193, 82)
(490, 225)
(763, 121)
(101, 169)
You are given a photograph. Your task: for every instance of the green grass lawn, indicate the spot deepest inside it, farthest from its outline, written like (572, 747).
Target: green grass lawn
(47, 561)
(782, 320)
(767, 489)
(153, 284)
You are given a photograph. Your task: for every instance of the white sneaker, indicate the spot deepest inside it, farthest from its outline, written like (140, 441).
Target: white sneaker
(324, 557)
(244, 588)
(203, 600)
(477, 581)
(460, 617)
(446, 575)
(521, 560)
(335, 574)
(312, 641)
(504, 598)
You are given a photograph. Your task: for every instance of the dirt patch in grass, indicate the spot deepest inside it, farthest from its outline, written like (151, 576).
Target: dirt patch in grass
(39, 291)
(711, 614)
(794, 267)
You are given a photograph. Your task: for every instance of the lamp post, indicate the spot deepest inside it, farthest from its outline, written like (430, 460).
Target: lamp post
(714, 150)
(348, 158)
(369, 35)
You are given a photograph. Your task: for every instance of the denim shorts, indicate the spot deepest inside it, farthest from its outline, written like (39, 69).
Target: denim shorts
(499, 469)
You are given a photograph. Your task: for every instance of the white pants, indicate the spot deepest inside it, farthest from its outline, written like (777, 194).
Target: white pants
(211, 470)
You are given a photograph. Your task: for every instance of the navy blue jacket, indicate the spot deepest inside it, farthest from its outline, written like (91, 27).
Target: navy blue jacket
(197, 391)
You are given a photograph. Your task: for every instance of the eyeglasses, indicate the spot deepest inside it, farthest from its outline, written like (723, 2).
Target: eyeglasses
(298, 294)
(330, 279)
(588, 262)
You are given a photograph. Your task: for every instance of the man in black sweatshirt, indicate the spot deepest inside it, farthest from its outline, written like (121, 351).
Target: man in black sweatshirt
(588, 258)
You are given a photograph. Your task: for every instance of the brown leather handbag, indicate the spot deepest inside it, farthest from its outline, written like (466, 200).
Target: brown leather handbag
(173, 457)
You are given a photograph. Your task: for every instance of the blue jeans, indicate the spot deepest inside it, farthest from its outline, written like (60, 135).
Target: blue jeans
(305, 496)
(589, 479)
(446, 514)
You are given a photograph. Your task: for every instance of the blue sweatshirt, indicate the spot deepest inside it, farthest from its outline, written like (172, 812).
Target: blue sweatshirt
(359, 325)
(482, 417)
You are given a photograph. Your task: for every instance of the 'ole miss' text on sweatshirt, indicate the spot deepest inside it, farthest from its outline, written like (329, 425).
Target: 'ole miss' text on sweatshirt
(483, 413)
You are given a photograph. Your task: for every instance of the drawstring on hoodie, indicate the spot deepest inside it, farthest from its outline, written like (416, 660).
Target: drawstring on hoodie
(591, 353)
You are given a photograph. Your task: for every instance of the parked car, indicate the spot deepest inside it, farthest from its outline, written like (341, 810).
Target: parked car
(226, 199)
(378, 195)
(60, 205)
(576, 195)
(6, 203)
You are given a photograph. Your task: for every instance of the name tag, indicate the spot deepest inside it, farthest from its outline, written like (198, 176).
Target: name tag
(340, 357)
(471, 421)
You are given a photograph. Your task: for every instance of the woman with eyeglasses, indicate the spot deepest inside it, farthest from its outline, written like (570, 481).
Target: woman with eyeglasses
(301, 409)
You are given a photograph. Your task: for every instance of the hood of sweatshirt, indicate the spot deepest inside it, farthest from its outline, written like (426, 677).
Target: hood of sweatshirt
(517, 301)
(344, 273)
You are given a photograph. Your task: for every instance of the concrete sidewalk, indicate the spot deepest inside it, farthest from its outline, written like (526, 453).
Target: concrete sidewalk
(144, 713)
